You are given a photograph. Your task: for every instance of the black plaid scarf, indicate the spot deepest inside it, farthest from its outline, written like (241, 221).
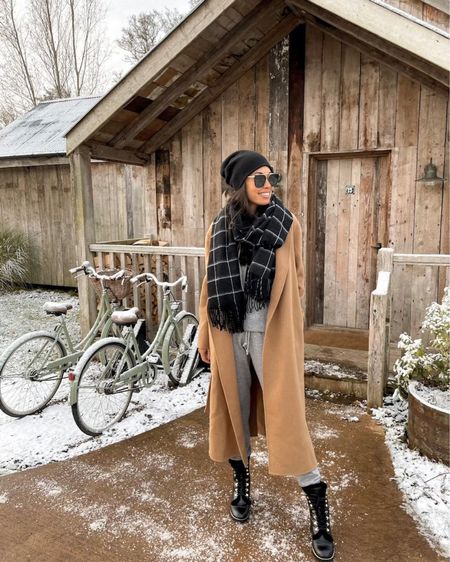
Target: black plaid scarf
(259, 237)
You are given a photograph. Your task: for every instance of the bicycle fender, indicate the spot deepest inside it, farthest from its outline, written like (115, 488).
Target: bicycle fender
(26, 337)
(183, 313)
(166, 340)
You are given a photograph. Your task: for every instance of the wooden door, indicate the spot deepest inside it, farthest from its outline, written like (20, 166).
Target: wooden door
(348, 221)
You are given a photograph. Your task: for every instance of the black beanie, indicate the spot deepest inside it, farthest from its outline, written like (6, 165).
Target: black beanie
(240, 164)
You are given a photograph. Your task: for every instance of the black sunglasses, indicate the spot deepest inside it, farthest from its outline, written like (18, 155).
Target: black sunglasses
(260, 179)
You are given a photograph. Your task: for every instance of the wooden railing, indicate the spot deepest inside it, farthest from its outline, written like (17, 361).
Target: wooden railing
(380, 317)
(166, 262)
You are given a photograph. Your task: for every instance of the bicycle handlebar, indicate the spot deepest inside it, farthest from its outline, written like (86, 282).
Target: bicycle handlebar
(81, 267)
(147, 277)
(87, 268)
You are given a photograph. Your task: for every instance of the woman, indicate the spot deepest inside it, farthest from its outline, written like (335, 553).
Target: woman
(251, 331)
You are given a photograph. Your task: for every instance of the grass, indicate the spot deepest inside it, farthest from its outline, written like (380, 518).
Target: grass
(17, 258)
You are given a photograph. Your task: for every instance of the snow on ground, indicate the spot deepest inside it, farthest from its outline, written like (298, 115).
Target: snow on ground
(326, 369)
(21, 311)
(53, 435)
(424, 483)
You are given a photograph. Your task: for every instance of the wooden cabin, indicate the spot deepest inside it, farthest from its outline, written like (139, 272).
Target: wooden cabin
(36, 195)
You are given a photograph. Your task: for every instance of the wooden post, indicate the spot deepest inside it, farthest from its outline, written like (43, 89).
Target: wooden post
(297, 55)
(385, 262)
(385, 259)
(81, 178)
(379, 330)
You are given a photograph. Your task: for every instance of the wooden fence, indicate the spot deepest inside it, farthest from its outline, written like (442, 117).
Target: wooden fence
(381, 313)
(166, 262)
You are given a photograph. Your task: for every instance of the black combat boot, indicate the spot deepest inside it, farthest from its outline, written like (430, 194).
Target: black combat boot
(322, 541)
(240, 504)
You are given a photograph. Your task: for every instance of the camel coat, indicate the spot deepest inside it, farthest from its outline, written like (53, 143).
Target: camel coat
(279, 413)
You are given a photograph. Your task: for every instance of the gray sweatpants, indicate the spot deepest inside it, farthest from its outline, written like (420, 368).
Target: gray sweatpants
(249, 346)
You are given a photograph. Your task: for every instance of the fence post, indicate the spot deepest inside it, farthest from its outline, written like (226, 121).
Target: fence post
(379, 329)
(81, 178)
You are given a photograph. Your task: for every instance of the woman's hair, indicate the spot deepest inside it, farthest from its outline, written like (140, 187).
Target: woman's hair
(237, 204)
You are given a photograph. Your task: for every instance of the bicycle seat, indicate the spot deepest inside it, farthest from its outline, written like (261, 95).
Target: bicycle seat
(125, 317)
(57, 308)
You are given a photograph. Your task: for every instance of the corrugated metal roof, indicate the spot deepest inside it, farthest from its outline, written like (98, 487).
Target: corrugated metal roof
(40, 132)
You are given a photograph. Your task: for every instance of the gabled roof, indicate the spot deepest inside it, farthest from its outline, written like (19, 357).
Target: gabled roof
(373, 20)
(41, 131)
(218, 42)
(209, 50)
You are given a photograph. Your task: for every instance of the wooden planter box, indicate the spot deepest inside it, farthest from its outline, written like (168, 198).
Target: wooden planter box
(428, 427)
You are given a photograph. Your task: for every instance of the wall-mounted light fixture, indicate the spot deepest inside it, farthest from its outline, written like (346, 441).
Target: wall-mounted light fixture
(430, 177)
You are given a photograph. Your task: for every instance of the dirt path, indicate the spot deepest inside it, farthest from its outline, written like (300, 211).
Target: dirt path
(157, 497)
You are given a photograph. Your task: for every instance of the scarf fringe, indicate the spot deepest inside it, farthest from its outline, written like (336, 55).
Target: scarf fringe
(257, 291)
(226, 320)
(253, 305)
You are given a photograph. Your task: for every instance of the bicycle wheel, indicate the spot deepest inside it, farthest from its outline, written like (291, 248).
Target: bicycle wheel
(99, 401)
(30, 373)
(177, 345)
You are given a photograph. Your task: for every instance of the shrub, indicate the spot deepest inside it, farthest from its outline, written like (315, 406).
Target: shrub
(17, 258)
(431, 364)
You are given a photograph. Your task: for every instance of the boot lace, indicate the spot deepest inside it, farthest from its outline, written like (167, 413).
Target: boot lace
(320, 515)
(242, 483)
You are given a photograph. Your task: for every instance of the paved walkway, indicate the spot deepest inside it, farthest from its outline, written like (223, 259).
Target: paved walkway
(157, 497)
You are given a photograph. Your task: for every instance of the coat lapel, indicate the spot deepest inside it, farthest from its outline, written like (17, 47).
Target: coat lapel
(281, 271)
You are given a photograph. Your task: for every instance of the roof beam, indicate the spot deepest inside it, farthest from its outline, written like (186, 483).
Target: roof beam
(374, 53)
(178, 39)
(103, 152)
(230, 76)
(409, 42)
(208, 60)
(33, 161)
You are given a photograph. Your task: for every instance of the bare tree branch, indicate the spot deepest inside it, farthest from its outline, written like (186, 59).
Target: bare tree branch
(12, 38)
(88, 48)
(50, 41)
(145, 30)
(54, 49)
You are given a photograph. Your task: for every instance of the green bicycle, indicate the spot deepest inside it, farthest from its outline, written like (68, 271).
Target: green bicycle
(33, 366)
(113, 368)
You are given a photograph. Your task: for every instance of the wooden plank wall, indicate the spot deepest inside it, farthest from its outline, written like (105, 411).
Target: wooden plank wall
(250, 114)
(38, 200)
(123, 197)
(354, 103)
